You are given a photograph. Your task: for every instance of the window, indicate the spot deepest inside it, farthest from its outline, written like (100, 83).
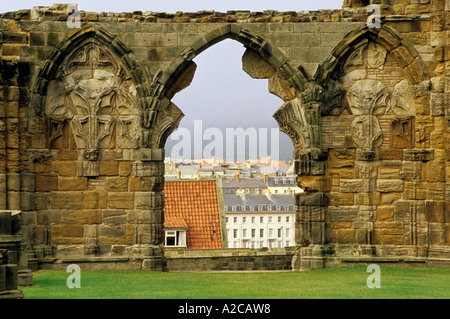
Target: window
(235, 244)
(278, 207)
(252, 208)
(260, 208)
(253, 220)
(253, 233)
(233, 208)
(244, 219)
(269, 208)
(245, 244)
(261, 233)
(287, 219)
(280, 244)
(225, 208)
(226, 219)
(244, 233)
(235, 219)
(261, 244)
(253, 244)
(286, 207)
(261, 219)
(279, 233)
(270, 219)
(270, 232)
(235, 233)
(288, 232)
(276, 191)
(279, 219)
(243, 208)
(288, 243)
(175, 238)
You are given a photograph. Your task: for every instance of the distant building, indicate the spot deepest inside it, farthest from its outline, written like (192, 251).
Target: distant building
(251, 186)
(283, 185)
(257, 221)
(192, 215)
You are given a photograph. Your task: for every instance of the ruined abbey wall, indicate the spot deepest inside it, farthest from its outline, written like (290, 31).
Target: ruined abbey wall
(85, 112)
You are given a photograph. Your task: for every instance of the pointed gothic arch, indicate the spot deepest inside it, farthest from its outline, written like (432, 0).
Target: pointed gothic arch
(179, 74)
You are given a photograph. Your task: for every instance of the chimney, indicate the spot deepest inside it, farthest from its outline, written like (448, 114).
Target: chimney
(241, 193)
(178, 174)
(237, 177)
(268, 194)
(175, 165)
(266, 178)
(199, 165)
(290, 163)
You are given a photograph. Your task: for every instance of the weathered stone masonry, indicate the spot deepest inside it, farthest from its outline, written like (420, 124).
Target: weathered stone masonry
(85, 113)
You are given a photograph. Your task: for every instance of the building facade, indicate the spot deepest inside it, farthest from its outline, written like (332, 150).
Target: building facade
(258, 221)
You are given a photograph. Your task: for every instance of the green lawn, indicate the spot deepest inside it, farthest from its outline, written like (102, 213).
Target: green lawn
(324, 283)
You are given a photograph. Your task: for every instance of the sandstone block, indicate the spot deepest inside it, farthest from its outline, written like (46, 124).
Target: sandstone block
(389, 185)
(66, 200)
(354, 185)
(109, 168)
(117, 184)
(46, 183)
(72, 183)
(121, 200)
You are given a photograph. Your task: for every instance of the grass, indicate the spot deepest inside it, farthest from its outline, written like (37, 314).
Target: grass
(330, 283)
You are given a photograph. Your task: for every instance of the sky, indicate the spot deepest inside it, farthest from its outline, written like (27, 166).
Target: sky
(221, 94)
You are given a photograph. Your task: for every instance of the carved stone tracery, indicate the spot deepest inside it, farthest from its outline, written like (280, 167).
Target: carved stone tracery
(93, 93)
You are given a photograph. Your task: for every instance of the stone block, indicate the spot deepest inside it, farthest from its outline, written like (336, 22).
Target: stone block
(46, 183)
(81, 217)
(435, 211)
(109, 168)
(10, 276)
(354, 185)
(343, 213)
(72, 183)
(418, 155)
(91, 200)
(117, 184)
(120, 200)
(64, 168)
(314, 199)
(66, 200)
(385, 213)
(390, 185)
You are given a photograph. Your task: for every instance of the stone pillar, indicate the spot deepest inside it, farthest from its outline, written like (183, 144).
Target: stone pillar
(149, 234)
(312, 230)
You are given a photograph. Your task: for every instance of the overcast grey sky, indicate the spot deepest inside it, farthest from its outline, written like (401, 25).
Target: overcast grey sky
(221, 94)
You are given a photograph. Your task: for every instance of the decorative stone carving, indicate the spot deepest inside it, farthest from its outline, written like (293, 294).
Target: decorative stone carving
(402, 132)
(356, 59)
(368, 97)
(366, 132)
(93, 93)
(376, 55)
(402, 102)
(291, 118)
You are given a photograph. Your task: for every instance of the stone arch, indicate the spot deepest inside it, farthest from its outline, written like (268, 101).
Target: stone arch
(163, 116)
(44, 75)
(405, 54)
(368, 48)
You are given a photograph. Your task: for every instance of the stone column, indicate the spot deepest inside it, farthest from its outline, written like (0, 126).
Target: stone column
(149, 229)
(312, 230)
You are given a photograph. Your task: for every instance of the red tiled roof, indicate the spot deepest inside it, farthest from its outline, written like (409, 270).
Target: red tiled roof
(196, 202)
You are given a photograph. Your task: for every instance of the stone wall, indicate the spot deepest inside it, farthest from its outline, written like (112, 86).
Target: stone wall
(229, 259)
(85, 112)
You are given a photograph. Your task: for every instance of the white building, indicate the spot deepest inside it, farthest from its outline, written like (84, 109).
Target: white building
(257, 221)
(283, 185)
